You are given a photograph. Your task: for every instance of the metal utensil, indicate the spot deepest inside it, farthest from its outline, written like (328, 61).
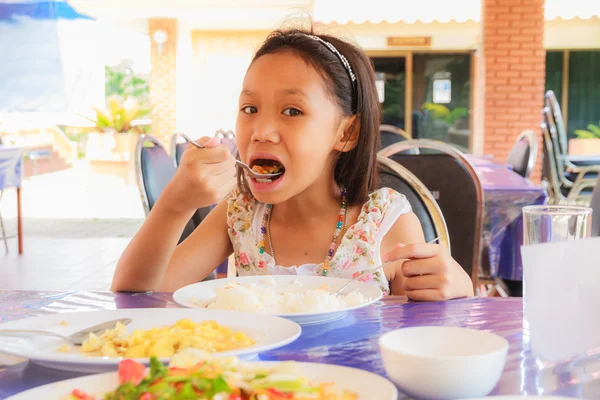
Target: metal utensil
(366, 271)
(249, 170)
(76, 338)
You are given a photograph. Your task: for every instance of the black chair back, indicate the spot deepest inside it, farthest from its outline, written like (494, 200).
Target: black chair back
(523, 154)
(395, 176)
(390, 134)
(458, 191)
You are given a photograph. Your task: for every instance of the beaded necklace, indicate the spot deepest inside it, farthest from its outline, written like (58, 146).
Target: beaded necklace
(266, 229)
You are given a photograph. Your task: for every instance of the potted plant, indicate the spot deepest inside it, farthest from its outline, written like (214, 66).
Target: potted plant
(116, 128)
(587, 141)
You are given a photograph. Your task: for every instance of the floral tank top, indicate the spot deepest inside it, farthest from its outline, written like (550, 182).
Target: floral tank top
(359, 248)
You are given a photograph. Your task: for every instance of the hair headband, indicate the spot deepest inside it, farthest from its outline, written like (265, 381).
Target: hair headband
(335, 51)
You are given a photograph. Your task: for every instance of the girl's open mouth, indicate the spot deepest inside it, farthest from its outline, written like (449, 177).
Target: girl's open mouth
(267, 166)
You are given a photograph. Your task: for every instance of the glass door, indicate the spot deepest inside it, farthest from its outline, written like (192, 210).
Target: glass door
(390, 73)
(441, 98)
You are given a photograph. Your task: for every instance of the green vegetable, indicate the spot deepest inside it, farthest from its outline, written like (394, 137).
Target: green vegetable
(157, 369)
(220, 386)
(187, 392)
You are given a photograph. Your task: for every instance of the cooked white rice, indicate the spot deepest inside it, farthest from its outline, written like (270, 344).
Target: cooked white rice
(266, 297)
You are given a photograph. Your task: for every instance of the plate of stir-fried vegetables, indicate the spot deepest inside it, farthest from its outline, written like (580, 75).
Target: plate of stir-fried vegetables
(196, 375)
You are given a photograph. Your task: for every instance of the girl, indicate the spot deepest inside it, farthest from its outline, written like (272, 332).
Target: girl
(308, 107)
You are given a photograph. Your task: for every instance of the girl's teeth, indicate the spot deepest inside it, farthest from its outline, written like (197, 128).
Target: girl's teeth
(263, 180)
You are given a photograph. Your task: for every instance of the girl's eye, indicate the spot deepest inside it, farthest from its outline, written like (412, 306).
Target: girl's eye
(249, 110)
(292, 112)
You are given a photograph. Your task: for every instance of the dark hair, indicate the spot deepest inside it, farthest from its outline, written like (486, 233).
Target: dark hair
(356, 169)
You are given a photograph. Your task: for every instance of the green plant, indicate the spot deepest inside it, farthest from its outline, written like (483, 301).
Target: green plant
(592, 132)
(119, 114)
(440, 112)
(125, 84)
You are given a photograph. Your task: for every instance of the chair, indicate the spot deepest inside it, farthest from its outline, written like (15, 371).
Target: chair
(442, 174)
(390, 134)
(523, 154)
(178, 146)
(4, 237)
(595, 205)
(154, 169)
(397, 177)
(566, 181)
(559, 137)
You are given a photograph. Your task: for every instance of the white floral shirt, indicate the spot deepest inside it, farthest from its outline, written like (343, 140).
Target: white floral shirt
(358, 250)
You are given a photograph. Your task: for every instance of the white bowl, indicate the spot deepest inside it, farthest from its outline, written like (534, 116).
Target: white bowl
(438, 363)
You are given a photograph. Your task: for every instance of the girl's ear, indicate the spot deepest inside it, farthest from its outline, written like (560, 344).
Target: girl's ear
(349, 137)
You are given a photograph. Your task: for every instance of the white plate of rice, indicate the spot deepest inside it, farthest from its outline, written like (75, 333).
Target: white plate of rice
(306, 300)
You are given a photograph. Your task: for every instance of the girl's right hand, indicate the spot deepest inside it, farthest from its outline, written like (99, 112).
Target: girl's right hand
(204, 177)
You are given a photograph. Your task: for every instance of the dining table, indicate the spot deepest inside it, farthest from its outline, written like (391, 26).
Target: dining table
(349, 341)
(11, 176)
(505, 195)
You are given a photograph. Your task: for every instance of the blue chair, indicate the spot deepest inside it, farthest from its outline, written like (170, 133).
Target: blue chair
(154, 169)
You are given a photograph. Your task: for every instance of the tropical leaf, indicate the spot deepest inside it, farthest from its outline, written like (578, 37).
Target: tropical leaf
(583, 134)
(594, 129)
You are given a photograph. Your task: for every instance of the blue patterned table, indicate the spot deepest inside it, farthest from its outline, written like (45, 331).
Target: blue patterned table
(351, 341)
(506, 193)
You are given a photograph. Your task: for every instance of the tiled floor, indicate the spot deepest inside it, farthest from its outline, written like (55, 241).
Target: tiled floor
(76, 225)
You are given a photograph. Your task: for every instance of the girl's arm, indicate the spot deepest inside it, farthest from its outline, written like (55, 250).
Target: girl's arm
(424, 272)
(406, 229)
(202, 252)
(204, 177)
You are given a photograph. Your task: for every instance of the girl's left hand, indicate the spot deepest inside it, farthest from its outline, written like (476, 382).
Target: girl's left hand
(430, 273)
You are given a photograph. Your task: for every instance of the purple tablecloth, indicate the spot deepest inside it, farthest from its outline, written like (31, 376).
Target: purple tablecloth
(351, 341)
(11, 165)
(506, 193)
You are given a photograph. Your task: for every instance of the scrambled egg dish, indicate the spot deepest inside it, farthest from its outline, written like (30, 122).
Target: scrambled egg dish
(166, 341)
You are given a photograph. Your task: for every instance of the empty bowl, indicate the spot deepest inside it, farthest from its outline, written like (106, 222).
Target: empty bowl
(438, 362)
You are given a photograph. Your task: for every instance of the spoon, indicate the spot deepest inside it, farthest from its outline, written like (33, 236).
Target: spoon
(373, 269)
(76, 338)
(249, 170)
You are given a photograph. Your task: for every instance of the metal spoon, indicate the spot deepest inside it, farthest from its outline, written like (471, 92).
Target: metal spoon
(76, 338)
(249, 170)
(366, 271)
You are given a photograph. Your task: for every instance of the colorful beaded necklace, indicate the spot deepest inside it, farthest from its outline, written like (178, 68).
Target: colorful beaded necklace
(266, 229)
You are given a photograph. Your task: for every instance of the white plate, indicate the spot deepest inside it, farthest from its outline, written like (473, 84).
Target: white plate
(195, 295)
(367, 385)
(525, 397)
(268, 332)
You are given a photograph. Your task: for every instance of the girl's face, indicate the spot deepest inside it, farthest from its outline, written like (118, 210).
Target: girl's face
(286, 117)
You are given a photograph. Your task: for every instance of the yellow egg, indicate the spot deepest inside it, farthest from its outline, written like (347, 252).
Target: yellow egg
(167, 340)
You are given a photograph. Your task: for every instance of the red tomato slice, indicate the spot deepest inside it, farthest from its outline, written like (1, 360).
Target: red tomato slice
(131, 371)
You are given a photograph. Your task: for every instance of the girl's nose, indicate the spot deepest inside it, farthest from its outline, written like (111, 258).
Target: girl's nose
(265, 130)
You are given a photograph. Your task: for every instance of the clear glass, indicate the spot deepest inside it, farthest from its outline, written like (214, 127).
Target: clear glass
(558, 303)
(543, 224)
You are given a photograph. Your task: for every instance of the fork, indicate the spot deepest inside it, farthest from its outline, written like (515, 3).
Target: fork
(249, 170)
(366, 271)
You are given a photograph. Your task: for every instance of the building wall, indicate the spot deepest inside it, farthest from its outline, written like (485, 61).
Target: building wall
(218, 60)
(163, 79)
(219, 64)
(515, 69)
